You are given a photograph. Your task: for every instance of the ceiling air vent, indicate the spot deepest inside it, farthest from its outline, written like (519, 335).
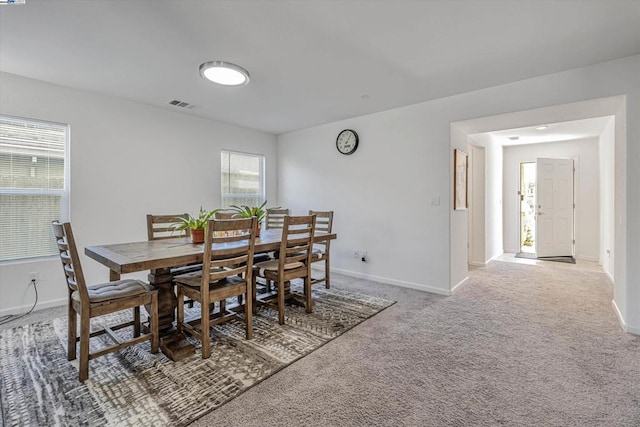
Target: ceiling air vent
(182, 104)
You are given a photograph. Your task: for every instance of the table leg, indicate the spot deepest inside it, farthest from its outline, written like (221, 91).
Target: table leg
(172, 342)
(161, 280)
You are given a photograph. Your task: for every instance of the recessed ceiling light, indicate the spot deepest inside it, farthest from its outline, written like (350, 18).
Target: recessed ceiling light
(514, 138)
(224, 73)
(543, 127)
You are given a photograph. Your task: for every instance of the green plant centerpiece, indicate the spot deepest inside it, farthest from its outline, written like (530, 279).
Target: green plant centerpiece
(245, 211)
(195, 224)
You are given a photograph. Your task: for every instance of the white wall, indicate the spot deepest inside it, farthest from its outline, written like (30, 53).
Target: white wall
(606, 150)
(127, 160)
(382, 193)
(493, 203)
(586, 184)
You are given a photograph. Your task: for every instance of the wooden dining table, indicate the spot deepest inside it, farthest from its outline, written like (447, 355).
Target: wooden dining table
(159, 257)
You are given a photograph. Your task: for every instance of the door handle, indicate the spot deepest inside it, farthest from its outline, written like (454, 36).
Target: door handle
(540, 213)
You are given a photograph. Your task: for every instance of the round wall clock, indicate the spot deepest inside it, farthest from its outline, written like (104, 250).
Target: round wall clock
(347, 141)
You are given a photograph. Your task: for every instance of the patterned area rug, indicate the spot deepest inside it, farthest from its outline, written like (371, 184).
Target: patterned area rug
(38, 386)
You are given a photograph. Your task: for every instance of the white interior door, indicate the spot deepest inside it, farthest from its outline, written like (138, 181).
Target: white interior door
(554, 213)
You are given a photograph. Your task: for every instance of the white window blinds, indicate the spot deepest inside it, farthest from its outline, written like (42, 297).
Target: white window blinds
(34, 186)
(242, 179)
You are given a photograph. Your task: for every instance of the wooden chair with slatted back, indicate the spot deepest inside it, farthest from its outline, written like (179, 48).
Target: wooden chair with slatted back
(226, 272)
(88, 302)
(293, 262)
(160, 227)
(225, 215)
(321, 251)
(275, 218)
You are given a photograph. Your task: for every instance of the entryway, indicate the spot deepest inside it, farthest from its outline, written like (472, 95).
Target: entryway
(547, 207)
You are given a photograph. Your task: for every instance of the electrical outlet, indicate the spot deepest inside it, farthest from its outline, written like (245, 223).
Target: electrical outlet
(34, 275)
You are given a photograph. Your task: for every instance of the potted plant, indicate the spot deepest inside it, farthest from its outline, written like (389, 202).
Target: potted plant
(195, 224)
(245, 211)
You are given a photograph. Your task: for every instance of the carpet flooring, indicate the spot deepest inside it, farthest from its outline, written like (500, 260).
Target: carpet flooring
(516, 345)
(38, 386)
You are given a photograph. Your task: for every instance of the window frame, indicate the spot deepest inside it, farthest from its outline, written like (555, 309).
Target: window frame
(262, 173)
(64, 193)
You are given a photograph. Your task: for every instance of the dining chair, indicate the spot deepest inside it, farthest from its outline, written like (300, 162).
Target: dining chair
(225, 215)
(275, 218)
(321, 250)
(160, 227)
(89, 302)
(226, 272)
(293, 262)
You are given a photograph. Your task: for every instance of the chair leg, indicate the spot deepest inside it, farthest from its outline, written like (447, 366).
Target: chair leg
(248, 313)
(72, 332)
(254, 298)
(204, 328)
(155, 333)
(84, 345)
(308, 303)
(281, 301)
(327, 273)
(136, 321)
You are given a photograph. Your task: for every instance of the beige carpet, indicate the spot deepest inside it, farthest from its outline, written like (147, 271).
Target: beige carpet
(517, 345)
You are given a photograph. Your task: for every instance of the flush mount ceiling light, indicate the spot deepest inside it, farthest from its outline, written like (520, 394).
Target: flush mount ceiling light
(224, 73)
(543, 127)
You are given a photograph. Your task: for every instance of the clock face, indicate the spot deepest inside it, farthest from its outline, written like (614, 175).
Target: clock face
(347, 141)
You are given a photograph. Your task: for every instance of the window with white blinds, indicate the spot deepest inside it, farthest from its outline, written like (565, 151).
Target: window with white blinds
(34, 186)
(242, 179)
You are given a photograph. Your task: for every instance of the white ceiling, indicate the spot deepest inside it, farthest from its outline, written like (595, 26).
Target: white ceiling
(554, 132)
(311, 62)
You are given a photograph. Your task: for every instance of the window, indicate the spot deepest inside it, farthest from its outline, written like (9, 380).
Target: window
(242, 179)
(34, 186)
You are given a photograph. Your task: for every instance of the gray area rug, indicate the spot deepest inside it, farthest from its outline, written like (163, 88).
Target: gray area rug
(39, 386)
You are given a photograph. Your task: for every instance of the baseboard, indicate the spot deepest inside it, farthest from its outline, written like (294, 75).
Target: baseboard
(39, 306)
(608, 274)
(623, 325)
(496, 256)
(478, 264)
(626, 328)
(394, 282)
(459, 284)
(588, 258)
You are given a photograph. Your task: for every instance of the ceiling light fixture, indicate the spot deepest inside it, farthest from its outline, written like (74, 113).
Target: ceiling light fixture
(224, 73)
(543, 127)
(514, 138)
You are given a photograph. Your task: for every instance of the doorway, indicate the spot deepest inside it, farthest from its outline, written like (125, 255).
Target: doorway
(527, 195)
